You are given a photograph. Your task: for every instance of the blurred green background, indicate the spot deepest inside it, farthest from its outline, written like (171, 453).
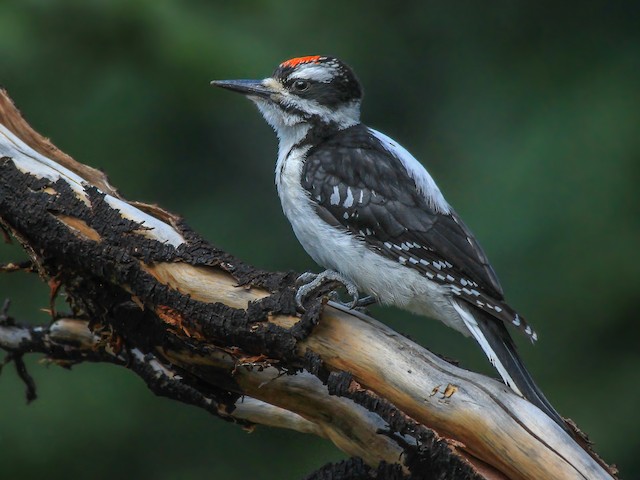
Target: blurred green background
(526, 113)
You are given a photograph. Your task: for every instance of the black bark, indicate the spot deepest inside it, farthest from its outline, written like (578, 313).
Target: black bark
(106, 285)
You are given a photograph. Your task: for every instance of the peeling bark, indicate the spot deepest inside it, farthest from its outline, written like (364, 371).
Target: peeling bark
(202, 327)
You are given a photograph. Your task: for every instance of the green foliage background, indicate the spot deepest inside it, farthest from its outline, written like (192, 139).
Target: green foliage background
(525, 112)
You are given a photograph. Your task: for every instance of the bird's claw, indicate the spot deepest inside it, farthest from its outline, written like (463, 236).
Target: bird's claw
(364, 302)
(359, 304)
(308, 282)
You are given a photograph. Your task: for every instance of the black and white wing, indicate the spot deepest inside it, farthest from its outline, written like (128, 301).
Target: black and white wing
(363, 182)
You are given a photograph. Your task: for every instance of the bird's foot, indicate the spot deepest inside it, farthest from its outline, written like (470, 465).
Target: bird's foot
(309, 282)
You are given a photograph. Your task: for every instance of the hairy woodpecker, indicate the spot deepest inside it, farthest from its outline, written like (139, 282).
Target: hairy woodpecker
(366, 210)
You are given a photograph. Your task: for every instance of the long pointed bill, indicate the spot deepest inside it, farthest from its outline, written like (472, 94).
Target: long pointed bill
(246, 87)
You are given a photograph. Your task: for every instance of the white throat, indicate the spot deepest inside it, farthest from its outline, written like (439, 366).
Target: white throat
(292, 128)
(289, 136)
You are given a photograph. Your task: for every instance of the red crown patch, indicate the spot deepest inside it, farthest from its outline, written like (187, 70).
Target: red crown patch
(294, 62)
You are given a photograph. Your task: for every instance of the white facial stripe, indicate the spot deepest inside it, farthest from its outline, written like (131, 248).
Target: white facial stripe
(311, 71)
(275, 116)
(344, 116)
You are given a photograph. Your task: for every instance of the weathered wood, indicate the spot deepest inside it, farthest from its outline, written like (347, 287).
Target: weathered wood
(203, 327)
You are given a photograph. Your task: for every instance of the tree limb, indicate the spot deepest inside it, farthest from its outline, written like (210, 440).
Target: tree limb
(202, 327)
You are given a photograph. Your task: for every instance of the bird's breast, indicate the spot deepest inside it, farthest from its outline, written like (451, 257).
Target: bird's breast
(337, 250)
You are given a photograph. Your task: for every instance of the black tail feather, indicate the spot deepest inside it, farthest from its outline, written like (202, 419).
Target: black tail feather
(502, 344)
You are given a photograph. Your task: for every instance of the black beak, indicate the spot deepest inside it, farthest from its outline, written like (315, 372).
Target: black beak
(246, 87)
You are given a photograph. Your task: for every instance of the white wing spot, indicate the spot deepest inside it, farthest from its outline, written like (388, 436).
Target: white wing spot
(349, 200)
(402, 260)
(450, 278)
(528, 330)
(361, 196)
(463, 282)
(424, 262)
(346, 215)
(388, 245)
(430, 275)
(335, 196)
(440, 277)
(516, 321)
(475, 292)
(498, 309)
(413, 260)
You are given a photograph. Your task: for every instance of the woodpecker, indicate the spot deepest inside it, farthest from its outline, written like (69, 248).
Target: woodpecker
(366, 210)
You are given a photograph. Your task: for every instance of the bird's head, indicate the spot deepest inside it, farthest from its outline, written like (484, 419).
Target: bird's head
(316, 90)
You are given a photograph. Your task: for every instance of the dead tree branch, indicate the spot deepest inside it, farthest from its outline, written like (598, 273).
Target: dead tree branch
(202, 327)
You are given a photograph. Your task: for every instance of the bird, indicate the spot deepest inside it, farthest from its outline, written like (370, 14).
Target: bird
(368, 212)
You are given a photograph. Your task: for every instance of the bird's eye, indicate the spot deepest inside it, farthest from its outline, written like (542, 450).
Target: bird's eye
(300, 85)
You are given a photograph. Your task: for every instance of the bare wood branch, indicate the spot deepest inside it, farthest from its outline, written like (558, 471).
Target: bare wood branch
(202, 327)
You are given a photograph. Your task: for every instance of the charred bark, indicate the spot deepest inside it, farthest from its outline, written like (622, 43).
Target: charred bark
(202, 327)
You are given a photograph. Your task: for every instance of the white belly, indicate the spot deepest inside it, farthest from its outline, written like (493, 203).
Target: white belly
(390, 282)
